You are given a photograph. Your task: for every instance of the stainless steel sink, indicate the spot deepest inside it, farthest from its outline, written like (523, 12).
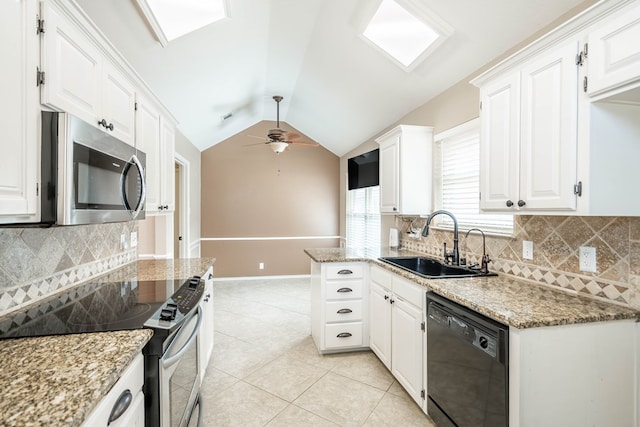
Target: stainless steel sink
(431, 268)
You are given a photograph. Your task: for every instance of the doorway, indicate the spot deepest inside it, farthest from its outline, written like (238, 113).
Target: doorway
(181, 213)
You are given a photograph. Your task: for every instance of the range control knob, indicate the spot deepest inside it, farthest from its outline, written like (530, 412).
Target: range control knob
(484, 342)
(169, 312)
(194, 282)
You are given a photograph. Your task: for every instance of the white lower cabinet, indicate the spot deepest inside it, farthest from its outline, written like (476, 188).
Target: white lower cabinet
(129, 385)
(397, 329)
(205, 340)
(338, 298)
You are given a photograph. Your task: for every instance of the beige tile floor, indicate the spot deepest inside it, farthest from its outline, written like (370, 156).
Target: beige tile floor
(265, 370)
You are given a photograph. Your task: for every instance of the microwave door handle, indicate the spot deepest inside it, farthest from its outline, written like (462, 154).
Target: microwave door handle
(143, 187)
(176, 357)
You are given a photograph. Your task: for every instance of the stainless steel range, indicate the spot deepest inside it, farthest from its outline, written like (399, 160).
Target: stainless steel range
(170, 307)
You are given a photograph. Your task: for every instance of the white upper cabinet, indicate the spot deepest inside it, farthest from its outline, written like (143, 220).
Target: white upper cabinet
(405, 170)
(19, 167)
(614, 51)
(155, 136)
(81, 81)
(529, 135)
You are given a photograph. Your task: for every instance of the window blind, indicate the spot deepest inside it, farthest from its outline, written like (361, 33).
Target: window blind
(457, 180)
(363, 217)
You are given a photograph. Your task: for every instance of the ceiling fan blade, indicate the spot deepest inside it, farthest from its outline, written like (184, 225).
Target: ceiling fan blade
(257, 143)
(257, 137)
(291, 136)
(305, 143)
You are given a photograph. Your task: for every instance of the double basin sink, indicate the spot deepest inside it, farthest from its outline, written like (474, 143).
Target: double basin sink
(433, 269)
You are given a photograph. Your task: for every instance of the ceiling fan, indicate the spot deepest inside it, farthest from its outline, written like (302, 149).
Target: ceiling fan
(279, 139)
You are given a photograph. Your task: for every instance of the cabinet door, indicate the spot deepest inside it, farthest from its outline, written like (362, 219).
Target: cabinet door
(614, 51)
(205, 340)
(499, 148)
(167, 165)
(549, 141)
(407, 346)
(380, 323)
(72, 66)
(19, 112)
(118, 103)
(148, 141)
(389, 177)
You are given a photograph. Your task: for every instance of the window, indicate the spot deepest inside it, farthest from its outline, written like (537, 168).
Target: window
(457, 182)
(405, 30)
(363, 217)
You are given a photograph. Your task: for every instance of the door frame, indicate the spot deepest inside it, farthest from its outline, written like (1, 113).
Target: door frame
(184, 206)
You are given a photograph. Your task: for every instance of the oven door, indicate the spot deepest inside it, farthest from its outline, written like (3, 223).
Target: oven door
(179, 374)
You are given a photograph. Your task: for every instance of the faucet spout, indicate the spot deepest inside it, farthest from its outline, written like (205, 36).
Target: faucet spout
(455, 255)
(484, 266)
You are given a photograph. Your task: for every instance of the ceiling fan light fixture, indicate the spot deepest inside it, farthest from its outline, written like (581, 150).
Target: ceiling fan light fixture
(278, 147)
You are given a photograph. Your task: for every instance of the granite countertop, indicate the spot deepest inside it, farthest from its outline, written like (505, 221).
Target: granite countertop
(517, 303)
(58, 380)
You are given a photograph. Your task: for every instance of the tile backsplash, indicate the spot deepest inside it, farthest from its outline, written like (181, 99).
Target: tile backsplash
(556, 242)
(37, 262)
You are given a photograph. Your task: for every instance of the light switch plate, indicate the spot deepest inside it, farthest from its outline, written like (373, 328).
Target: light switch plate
(588, 260)
(527, 249)
(134, 239)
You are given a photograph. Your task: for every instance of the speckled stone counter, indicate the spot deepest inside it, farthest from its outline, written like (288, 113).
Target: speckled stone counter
(57, 381)
(517, 303)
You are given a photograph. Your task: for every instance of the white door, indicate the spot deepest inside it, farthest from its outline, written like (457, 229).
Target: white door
(499, 144)
(148, 141)
(389, 177)
(167, 165)
(19, 112)
(380, 323)
(549, 141)
(407, 346)
(72, 66)
(118, 104)
(614, 51)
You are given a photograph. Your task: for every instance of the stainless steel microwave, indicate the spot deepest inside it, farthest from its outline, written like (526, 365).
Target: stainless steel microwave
(88, 176)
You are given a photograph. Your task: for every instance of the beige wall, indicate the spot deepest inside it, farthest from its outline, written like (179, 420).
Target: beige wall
(273, 202)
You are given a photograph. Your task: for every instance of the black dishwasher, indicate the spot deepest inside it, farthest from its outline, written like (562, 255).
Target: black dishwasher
(467, 366)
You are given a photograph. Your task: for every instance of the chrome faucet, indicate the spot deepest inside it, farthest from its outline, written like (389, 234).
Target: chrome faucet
(484, 265)
(455, 255)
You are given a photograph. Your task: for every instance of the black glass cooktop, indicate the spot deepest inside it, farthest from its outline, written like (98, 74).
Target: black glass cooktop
(94, 307)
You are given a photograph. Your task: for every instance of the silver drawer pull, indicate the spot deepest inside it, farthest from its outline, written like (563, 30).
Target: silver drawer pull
(342, 290)
(344, 311)
(345, 272)
(343, 335)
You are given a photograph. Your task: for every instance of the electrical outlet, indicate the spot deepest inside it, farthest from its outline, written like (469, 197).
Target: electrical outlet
(527, 249)
(134, 239)
(261, 266)
(588, 259)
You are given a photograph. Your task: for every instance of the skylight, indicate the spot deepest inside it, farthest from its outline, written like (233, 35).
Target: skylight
(171, 19)
(401, 34)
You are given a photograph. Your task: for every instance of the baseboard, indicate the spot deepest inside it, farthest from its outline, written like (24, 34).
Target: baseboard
(297, 276)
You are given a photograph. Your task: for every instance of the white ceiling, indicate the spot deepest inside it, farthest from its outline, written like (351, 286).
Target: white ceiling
(337, 89)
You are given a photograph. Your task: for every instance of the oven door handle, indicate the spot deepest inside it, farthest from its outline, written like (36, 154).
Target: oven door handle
(143, 186)
(176, 357)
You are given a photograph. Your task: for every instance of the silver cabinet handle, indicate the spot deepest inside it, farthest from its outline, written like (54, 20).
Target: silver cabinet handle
(345, 272)
(343, 290)
(344, 311)
(121, 406)
(343, 335)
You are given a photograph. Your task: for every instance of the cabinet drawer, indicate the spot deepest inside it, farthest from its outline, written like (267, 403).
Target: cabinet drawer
(381, 276)
(344, 271)
(409, 292)
(344, 289)
(343, 335)
(343, 311)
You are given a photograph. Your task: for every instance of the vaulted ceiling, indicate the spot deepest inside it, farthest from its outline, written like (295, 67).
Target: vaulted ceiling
(337, 89)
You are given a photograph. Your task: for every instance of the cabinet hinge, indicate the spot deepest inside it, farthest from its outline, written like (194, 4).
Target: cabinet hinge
(577, 189)
(39, 77)
(422, 394)
(582, 55)
(422, 326)
(135, 106)
(585, 84)
(480, 105)
(39, 25)
(37, 189)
